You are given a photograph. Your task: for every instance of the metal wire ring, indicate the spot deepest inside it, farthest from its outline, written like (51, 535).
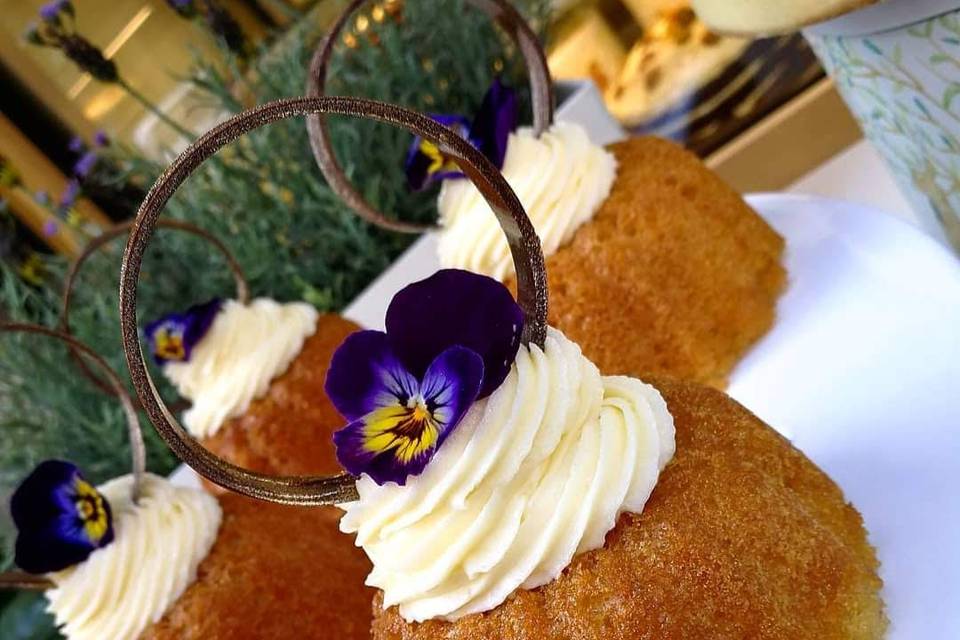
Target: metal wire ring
(318, 490)
(119, 230)
(541, 90)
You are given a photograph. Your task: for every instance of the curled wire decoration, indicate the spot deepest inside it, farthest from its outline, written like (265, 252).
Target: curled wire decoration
(121, 230)
(23, 581)
(314, 490)
(138, 452)
(541, 91)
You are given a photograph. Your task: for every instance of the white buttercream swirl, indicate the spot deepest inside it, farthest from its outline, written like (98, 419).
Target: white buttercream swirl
(246, 347)
(537, 472)
(130, 583)
(561, 179)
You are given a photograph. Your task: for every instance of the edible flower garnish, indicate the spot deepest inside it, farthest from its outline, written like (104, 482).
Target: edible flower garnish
(450, 340)
(489, 132)
(60, 517)
(173, 337)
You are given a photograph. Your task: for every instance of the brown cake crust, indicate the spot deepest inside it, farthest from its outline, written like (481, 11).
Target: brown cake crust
(274, 573)
(675, 275)
(743, 537)
(289, 430)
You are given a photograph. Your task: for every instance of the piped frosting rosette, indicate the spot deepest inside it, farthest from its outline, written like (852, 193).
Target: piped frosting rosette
(111, 559)
(220, 354)
(484, 450)
(559, 175)
(537, 472)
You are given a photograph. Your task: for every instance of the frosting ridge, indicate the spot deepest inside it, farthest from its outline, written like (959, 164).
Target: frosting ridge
(537, 472)
(129, 584)
(561, 179)
(246, 347)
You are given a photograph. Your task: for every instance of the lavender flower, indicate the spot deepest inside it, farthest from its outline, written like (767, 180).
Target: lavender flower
(100, 138)
(50, 228)
(85, 164)
(70, 193)
(51, 11)
(76, 144)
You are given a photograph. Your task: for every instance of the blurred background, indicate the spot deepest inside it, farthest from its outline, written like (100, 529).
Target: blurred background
(97, 95)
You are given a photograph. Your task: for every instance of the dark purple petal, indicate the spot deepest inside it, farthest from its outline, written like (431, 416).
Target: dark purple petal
(456, 308)
(450, 386)
(495, 120)
(382, 466)
(365, 375)
(421, 168)
(100, 138)
(173, 336)
(76, 144)
(61, 519)
(200, 318)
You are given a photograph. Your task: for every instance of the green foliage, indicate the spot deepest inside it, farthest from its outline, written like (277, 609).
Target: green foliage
(262, 196)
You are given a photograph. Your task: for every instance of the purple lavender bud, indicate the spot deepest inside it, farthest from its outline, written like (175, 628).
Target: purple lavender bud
(50, 228)
(42, 197)
(51, 11)
(70, 193)
(100, 138)
(76, 144)
(85, 164)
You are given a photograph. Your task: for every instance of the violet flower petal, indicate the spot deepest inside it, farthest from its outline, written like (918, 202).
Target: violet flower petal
(60, 518)
(397, 440)
(365, 375)
(455, 307)
(425, 164)
(172, 337)
(495, 120)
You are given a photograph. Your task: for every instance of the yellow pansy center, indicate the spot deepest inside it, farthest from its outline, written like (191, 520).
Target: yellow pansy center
(90, 509)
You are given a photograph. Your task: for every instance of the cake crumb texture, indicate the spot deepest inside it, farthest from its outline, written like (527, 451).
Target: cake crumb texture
(743, 537)
(275, 573)
(289, 431)
(675, 275)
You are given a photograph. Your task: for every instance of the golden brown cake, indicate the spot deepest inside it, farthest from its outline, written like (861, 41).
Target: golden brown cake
(274, 573)
(694, 271)
(289, 430)
(743, 537)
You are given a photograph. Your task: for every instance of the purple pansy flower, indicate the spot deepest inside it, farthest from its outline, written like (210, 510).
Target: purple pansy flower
(489, 132)
(60, 517)
(450, 340)
(173, 337)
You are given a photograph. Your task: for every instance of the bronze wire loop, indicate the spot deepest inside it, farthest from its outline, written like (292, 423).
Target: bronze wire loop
(541, 89)
(23, 581)
(316, 490)
(120, 230)
(27, 581)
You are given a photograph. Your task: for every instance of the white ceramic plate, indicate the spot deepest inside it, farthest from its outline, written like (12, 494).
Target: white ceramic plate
(862, 372)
